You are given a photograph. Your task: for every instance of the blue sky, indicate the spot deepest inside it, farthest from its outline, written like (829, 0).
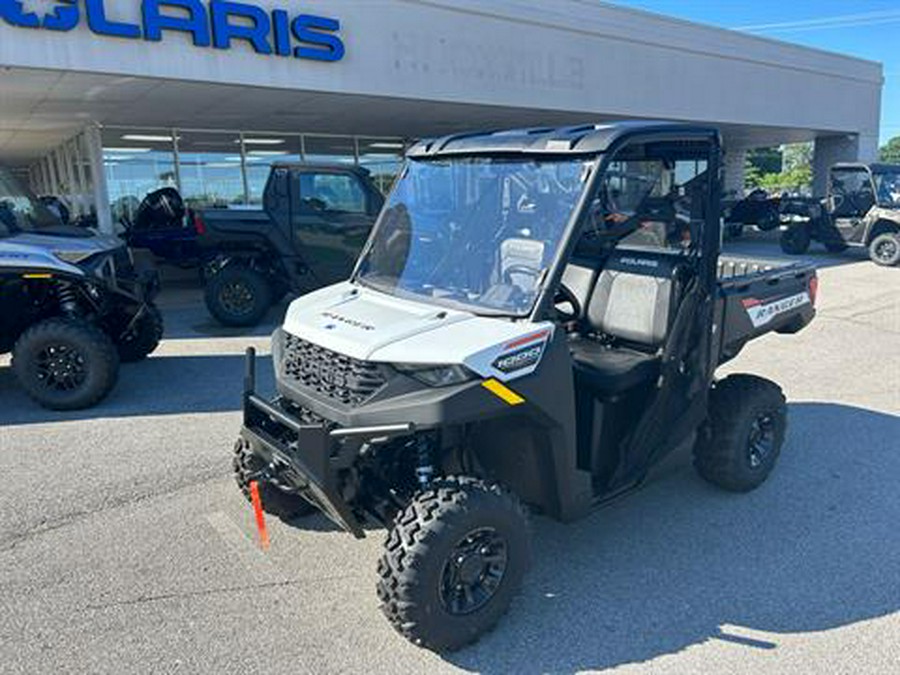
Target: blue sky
(866, 28)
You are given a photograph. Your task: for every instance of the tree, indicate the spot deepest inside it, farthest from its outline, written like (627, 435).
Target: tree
(793, 171)
(797, 156)
(890, 151)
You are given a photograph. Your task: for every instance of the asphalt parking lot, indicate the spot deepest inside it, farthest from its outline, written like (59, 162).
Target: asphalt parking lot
(126, 548)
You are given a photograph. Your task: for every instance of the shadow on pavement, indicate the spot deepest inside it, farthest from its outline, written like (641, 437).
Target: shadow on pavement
(682, 563)
(161, 385)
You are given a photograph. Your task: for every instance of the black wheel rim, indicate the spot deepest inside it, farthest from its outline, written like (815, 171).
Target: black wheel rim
(474, 571)
(762, 440)
(61, 367)
(237, 298)
(886, 250)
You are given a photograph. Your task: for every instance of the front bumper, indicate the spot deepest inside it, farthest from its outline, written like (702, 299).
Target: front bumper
(306, 452)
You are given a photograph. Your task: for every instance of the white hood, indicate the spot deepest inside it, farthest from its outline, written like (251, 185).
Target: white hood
(371, 326)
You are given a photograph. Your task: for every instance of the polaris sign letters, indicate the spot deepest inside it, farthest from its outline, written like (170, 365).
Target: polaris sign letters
(215, 24)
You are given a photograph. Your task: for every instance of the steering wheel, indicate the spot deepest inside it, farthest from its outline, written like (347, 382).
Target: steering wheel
(564, 295)
(519, 269)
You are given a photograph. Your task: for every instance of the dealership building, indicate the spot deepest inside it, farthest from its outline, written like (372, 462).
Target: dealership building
(102, 101)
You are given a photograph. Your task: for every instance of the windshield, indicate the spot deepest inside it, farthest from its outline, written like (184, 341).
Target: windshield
(887, 187)
(478, 233)
(20, 210)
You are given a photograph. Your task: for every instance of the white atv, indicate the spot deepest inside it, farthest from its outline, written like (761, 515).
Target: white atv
(536, 319)
(72, 305)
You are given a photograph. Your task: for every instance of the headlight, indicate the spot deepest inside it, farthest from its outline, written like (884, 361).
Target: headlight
(73, 257)
(436, 375)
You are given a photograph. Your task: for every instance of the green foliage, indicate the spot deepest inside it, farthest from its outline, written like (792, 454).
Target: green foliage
(890, 151)
(795, 168)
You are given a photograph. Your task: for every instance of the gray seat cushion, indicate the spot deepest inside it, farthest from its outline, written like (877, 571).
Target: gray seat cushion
(632, 300)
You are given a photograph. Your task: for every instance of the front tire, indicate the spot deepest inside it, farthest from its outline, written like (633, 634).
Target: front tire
(770, 220)
(143, 338)
(453, 561)
(884, 249)
(65, 364)
(238, 296)
(276, 502)
(795, 240)
(747, 425)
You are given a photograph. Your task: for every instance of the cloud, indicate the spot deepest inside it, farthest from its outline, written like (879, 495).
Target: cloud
(823, 23)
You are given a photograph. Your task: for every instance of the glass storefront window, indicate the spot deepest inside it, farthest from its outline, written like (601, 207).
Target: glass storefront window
(329, 149)
(262, 151)
(209, 166)
(383, 158)
(136, 162)
(212, 170)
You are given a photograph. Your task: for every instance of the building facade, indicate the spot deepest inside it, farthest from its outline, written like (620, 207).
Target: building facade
(103, 101)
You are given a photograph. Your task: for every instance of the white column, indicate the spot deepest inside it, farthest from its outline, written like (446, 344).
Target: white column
(94, 146)
(830, 150)
(734, 170)
(80, 179)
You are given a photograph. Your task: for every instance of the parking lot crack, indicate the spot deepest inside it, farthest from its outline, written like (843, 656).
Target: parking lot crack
(110, 504)
(183, 595)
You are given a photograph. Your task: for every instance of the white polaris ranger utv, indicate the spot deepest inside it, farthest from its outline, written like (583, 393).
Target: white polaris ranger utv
(536, 320)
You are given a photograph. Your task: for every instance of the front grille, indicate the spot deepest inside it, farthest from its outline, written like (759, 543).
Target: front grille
(329, 374)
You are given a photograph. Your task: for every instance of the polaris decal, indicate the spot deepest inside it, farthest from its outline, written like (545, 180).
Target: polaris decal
(213, 24)
(760, 314)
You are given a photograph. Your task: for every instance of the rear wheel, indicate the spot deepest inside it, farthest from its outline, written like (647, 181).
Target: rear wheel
(795, 240)
(453, 560)
(143, 337)
(747, 424)
(247, 467)
(885, 249)
(65, 364)
(238, 296)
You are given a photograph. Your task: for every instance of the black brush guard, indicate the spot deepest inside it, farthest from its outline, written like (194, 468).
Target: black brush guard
(304, 453)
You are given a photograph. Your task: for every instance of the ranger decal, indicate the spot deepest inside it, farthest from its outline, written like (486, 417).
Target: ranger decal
(761, 314)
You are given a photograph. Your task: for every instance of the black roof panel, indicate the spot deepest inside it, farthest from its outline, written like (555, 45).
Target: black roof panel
(585, 139)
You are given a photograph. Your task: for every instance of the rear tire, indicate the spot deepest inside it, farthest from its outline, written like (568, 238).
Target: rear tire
(747, 425)
(453, 561)
(884, 249)
(795, 240)
(274, 501)
(65, 364)
(238, 296)
(143, 339)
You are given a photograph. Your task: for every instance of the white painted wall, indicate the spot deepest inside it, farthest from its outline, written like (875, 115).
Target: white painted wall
(575, 55)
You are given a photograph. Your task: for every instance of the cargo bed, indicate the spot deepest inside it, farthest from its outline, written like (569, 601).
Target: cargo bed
(758, 296)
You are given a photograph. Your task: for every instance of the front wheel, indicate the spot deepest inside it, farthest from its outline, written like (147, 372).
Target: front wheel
(453, 561)
(238, 296)
(769, 220)
(885, 249)
(65, 364)
(747, 424)
(795, 240)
